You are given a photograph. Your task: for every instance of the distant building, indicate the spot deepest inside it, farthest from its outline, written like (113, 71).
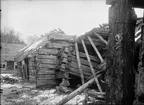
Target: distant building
(8, 52)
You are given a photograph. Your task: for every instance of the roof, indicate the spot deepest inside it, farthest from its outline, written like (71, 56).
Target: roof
(32, 48)
(9, 51)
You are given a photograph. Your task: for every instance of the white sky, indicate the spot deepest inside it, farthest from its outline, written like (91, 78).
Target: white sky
(38, 17)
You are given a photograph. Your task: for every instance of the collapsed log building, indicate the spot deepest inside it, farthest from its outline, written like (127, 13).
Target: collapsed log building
(37, 61)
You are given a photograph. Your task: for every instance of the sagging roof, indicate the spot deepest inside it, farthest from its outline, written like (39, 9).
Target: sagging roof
(9, 51)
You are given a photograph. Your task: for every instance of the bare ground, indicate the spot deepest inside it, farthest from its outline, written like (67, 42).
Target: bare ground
(26, 94)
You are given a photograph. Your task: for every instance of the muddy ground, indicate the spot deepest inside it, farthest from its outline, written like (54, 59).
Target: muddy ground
(19, 93)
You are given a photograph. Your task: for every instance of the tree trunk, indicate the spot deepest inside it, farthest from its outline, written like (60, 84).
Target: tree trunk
(120, 74)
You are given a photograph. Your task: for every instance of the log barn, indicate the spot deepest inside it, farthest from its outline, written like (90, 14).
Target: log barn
(37, 61)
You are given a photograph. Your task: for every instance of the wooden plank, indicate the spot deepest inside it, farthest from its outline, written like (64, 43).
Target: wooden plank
(47, 66)
(79, 63)
(45, 76)
(85, 68)
(92, 69)
(49, 61)
(46, 72)
(82, 55)
(46, 57)
(57, 45)
(95, 48)
(48, 51)
(46, 69)
(85, 62)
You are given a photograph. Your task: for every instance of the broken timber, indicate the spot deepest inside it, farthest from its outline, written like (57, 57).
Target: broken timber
(78, 91)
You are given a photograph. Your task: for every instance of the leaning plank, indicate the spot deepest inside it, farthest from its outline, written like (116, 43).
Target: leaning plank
(101, 38)
(95, 48)
(79, 63)
(92, 69)
(77, 91)
(48, 51)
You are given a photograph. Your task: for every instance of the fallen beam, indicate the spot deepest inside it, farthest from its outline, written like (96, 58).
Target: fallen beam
(77, 91)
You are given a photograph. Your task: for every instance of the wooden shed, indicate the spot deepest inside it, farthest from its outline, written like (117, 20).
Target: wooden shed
(8, 52)
(37, 61)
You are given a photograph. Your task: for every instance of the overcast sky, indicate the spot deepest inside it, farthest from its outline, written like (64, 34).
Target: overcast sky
(38, 17)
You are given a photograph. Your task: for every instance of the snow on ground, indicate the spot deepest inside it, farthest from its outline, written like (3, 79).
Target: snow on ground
(26, 94)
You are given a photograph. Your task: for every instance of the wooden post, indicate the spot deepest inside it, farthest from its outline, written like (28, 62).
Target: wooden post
(96, 50)
(79, 62)
(78, 91)
(120, 60)
(92, 69)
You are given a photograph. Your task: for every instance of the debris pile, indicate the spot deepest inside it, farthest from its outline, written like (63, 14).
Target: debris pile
(86, 59)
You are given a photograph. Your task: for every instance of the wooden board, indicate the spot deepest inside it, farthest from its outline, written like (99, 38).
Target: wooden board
(56, 45)
(82, 55)
(48, 51)
(84, 62)
(46, 57)
(49, 61)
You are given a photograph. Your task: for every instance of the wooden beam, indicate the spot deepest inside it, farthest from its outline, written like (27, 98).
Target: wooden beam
(92, 69)
(101, 38)
(120, 60)
(79, 62)
(96, 50)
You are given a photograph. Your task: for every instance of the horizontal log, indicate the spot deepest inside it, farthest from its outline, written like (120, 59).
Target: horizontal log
(45, 76)
(48, 51)
(85, 62)
(84, 67)
(46, 72)
(82, 55)
(47, 66)
(45, 69)
(57, 45)
(49, 61)
(46, 57)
